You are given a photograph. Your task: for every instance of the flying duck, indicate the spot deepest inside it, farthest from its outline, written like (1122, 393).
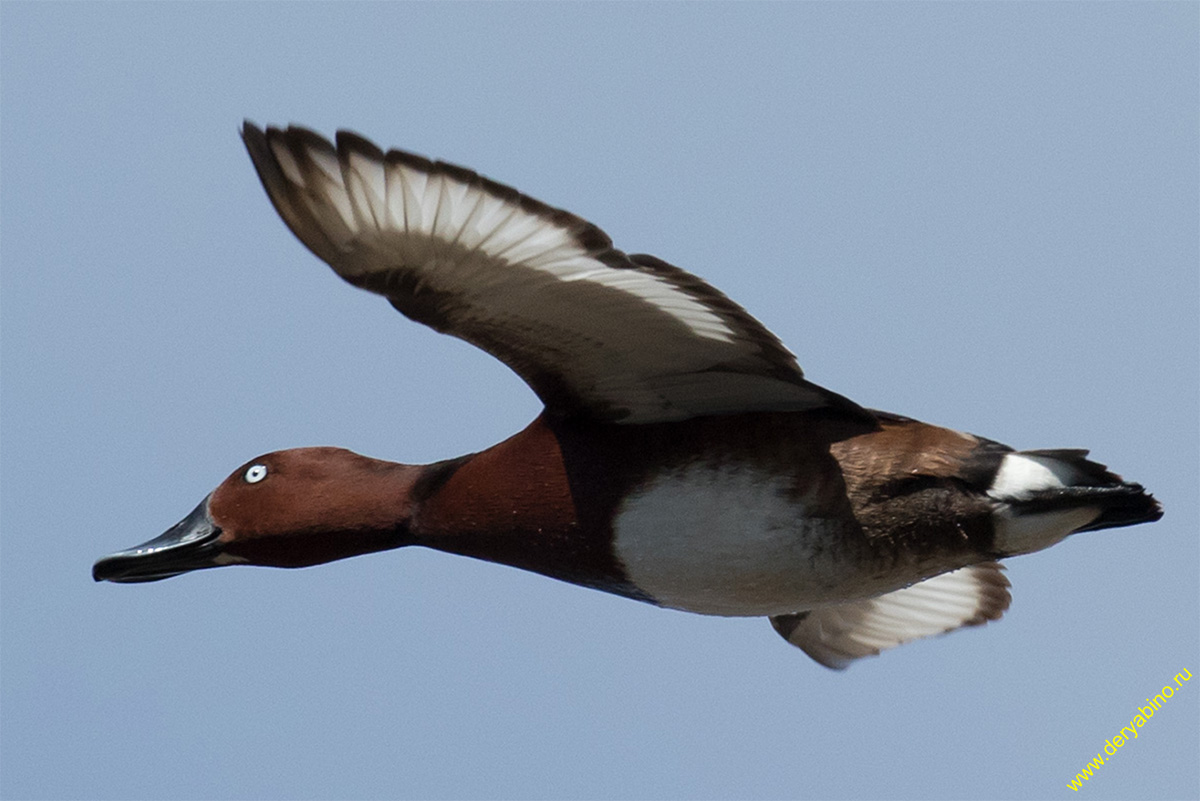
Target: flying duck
(682, 458)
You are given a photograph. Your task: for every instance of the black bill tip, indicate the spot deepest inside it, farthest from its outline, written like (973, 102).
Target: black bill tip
(190, 544)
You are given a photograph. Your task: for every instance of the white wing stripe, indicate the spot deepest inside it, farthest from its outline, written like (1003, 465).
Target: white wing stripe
(327, 163)
(469, 214)
(356, 191)
(493, 218)
(366, 196)
(333, 192)
(442, 225)
(519, 233)
(367, 185)
(291, 170)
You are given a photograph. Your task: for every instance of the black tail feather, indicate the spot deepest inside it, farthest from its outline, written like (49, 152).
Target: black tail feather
(1122, 503)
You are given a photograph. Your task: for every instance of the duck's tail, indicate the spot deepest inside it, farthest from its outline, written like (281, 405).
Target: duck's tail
(1042, 496)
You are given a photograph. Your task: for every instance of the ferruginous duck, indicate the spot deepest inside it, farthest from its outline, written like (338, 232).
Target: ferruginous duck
(682, 458)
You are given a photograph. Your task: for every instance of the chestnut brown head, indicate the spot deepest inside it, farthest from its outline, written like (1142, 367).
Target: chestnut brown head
(290, 508)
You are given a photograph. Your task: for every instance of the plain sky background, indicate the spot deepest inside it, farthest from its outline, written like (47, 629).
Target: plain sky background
(983, 215)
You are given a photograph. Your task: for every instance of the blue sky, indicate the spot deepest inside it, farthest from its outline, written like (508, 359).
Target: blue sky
(980, 215)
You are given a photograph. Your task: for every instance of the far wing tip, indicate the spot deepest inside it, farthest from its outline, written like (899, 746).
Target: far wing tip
(837, 635)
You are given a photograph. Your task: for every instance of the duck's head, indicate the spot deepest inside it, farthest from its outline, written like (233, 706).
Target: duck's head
(290, 508)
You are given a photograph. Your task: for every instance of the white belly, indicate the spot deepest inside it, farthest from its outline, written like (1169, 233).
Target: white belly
(726, 539)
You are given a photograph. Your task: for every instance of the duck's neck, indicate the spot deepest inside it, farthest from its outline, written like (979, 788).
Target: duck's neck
(513, 504)
(489, 502)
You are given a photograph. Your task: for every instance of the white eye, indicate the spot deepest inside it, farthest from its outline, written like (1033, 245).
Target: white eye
(255, 473)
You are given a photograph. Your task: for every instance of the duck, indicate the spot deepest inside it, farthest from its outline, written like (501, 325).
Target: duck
(682, 458)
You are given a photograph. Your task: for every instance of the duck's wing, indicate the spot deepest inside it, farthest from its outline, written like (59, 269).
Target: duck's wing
(837, 635)
(595, 333)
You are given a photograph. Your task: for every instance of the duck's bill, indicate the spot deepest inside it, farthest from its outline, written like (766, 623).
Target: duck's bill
(190, 544)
